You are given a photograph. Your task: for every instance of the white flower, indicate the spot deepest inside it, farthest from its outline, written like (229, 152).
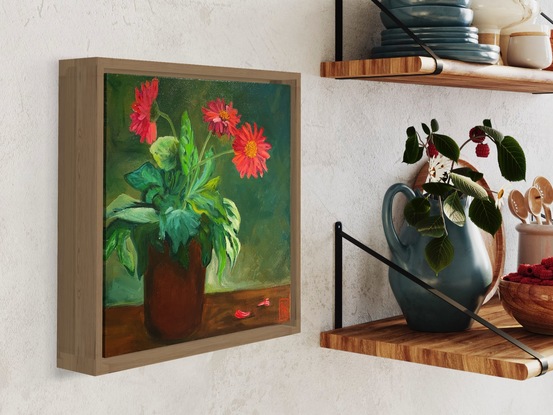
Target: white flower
(501, 196)
(438, 169)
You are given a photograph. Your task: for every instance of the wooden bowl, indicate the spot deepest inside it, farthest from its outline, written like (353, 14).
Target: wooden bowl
(531, 305)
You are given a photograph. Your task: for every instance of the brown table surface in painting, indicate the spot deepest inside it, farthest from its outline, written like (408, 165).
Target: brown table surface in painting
(124, 330)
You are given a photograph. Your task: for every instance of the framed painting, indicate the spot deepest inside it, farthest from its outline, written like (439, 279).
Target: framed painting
(179, 211)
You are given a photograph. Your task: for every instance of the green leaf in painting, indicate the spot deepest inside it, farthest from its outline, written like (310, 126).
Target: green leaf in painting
(187, 150)
(127, 254)
(487, 122)
(151, 194)
(180, 225)
(485, 214)
(432, 226)
(439, 253)
(165, 151)
(115, 231)
(143, 237)
(446, 146)
(413, 152)
(204, 238)
(226, 245)
(468, 187)
(213, 184)
(454, 210)
(511, 159)
(434, 125)
(231, 228)
(209, 203)
(137, 215)
(118, 238)
(416, 210)
(144, 177)
(207, 171)
(121, 202)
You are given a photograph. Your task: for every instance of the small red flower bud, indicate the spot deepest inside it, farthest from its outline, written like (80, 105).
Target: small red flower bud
(477, 135)
(482, 150)
(431, 150)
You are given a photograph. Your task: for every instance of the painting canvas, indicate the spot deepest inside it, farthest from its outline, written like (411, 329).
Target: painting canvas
(178, 210)
(197, 209)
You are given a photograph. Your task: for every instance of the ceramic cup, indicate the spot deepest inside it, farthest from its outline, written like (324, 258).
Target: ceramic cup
(529, 50)
(535, 242)
(524, 27)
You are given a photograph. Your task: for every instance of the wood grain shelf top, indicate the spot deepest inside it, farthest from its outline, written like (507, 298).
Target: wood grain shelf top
(477, 350)
(418, 70)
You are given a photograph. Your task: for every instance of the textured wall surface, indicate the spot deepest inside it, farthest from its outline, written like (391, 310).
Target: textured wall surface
(352, 134)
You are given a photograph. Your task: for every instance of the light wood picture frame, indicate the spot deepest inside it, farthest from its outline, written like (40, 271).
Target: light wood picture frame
(175, 182)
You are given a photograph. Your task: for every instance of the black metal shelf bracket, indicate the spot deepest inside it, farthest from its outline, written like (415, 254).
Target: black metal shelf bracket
(340, 235)
(339, 38)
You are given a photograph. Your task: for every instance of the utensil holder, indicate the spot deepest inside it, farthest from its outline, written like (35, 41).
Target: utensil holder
(535, 242)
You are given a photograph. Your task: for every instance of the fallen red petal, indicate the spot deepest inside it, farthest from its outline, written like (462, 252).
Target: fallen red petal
(264, 303)
(242, 314)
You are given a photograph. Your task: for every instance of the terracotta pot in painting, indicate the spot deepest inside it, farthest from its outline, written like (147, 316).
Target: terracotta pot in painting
(173, 294)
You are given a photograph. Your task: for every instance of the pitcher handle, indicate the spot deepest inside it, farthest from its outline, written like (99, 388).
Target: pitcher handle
(398, 248)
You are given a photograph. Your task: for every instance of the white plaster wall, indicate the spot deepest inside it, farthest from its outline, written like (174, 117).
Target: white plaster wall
(352, 134)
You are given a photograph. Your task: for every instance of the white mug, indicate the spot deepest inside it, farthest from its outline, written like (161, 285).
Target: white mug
(530, 50)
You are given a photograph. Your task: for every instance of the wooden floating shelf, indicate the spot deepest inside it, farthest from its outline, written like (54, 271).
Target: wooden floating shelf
(416, 70)
(477, 350)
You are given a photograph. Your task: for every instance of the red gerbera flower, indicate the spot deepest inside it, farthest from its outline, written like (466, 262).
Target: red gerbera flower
(222, 118)
(250, 151)
(143, 119)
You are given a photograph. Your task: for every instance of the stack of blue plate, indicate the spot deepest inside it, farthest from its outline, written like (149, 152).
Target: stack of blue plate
(444, 25)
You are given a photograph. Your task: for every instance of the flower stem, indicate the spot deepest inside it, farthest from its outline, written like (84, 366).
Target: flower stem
(224, 153)
(168, 119)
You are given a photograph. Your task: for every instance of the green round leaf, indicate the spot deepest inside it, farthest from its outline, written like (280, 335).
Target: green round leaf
(416, 210)
(485, 215)
(468, 172)
(438, 188)
(433, 226)
(454, 210)
(511, 159)
(466, 186)
(446, 146)
(413, 152)
(426, 129)
(439, 253)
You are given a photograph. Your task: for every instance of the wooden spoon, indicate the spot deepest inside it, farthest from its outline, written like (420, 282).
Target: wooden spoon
(517, 205)
(546, 191)
(534, 203)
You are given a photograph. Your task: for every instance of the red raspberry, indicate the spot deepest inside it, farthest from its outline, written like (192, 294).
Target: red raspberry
(477, 135)
(512, 277)
(547, 262)
(431, 150)
(537, 269)
(483, 150)
(544, 273)
(530, 280)
(525, 269)
(547, 282)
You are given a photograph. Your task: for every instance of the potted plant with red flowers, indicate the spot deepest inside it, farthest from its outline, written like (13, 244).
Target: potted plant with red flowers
(181, 222)
(441, 242)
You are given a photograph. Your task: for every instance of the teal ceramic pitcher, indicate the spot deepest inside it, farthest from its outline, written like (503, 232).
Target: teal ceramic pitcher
(466, 279)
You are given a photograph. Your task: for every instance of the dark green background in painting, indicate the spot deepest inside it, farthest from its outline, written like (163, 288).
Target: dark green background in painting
(264, 203)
